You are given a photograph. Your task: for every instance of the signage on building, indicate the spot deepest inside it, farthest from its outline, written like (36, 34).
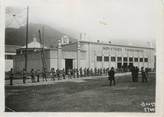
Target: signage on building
(120, 49)
(111, 48)
(133, 50)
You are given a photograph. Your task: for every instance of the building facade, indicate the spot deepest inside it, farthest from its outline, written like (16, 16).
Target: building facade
(10, 52)
(84, 54)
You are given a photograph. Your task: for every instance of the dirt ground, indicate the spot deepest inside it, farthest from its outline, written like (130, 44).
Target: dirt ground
(91, 95)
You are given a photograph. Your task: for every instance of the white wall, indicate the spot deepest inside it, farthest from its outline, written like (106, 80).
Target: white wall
(8, 65)
(94, 50)
(34, 61)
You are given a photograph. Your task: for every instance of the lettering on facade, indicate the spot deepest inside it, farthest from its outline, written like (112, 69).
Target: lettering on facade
(120, 49)
(110, 48)
(133, 50)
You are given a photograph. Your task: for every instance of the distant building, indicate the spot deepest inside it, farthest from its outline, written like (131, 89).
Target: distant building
(88, 54)
(10, 52)
(65, 40)
(34, 44)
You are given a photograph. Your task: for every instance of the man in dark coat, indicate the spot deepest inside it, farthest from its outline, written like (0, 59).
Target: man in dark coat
(63, 73)
(37, 72)
(81, 71)
(44, 75)
(11, 76)
(52, 73)
(143, 73)
(111, 76)
(133, 73)
(136, 73)
(58, 74)
(24, 74)
(32, 75)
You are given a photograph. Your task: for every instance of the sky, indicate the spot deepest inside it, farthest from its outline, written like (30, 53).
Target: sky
(104, 20)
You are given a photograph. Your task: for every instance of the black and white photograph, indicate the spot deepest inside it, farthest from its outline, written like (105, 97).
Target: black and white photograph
(80, 56)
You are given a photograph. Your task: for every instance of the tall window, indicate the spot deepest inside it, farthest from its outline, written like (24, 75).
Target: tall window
(130, 59)
(113, 58)
(141, 59)
(119, 58)
(125, 59)
(106, 58)
(136, 59)
(99, 58)
(146, 60)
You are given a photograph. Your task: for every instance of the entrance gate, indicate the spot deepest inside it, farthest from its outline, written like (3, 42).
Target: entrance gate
(68, 64)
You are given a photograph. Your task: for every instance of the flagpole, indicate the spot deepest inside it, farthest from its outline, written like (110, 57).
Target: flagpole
(26, 37)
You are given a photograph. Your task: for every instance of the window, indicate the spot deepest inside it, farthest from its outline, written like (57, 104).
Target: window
(130, 59)
(125, 59)
(119, 58)
(106, 58)
(136, 59)
(99, 58)
(113, 58)
(141, 59)
(146, 60)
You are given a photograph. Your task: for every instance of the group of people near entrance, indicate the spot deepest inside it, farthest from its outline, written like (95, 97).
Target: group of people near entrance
(76, 73)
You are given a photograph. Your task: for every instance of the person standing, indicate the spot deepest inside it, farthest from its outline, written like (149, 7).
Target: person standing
(85, 72)
(44, 74)
(88, 71)
(73, 72)
(24, 74)
(77, 72)
(32, 76)
(52, 73)
(95, 71)
(111, 76)
(11, 76)
(37, 74)
(81, 72)
(63, 73)
(147, 72)
(69, 73)
(133, 73)
(144, 77)
(137, 71)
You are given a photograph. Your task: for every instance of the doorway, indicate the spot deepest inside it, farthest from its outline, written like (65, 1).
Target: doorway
(68, 64)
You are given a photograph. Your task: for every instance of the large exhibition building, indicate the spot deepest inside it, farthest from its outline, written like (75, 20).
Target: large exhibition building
(85, 54)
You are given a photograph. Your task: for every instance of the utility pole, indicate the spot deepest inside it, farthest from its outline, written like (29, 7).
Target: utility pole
(43, 35)
(26, 38)
(42, 53)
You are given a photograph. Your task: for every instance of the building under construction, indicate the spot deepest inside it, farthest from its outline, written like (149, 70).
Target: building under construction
(84, 54)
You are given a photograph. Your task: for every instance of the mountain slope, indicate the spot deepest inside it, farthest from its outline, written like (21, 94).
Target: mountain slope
(15, 36)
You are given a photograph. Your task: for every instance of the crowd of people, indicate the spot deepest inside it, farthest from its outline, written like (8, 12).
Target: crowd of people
(57, 74)
(134, 73)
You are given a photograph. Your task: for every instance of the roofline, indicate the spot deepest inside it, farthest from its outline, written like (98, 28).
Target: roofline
(49, 49)
(69, 44)
(116, 45)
